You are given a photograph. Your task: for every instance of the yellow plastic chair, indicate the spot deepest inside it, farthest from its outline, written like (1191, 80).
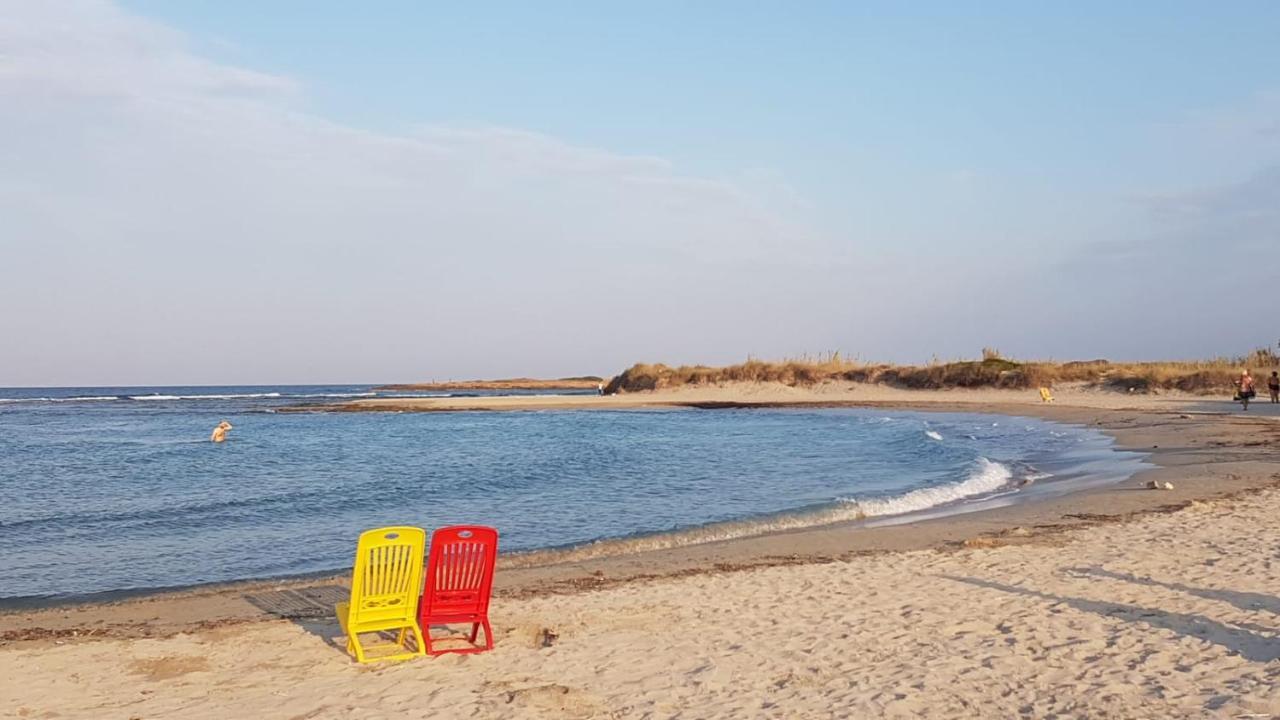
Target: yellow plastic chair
(385, 586)
(1046, 395)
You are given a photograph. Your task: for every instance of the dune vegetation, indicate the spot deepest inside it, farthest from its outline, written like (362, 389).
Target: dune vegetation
(992, 371)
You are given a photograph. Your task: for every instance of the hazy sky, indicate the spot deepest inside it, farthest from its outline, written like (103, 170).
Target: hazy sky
(239, 192)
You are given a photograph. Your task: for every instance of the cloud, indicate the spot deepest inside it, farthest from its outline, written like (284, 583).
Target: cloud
(1238, 220)
(1253, 124)
(1188, 283)
(167, 218)
(167, 212)
(92, 49)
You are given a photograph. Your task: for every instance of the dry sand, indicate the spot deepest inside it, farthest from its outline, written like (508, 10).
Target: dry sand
(1055, 609)
(1076, 395)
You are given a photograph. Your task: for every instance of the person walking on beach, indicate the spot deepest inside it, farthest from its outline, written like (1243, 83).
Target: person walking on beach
(1246, 389)
(1273, 384)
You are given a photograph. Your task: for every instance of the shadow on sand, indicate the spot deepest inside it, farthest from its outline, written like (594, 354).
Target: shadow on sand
(311, 609)
(1244, 640)
(1247, 601)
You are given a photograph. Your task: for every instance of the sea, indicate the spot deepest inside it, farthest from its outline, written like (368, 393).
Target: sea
(110, 491)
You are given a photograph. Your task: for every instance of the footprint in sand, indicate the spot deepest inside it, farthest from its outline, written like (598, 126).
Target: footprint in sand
(564, 701)
(168, 667)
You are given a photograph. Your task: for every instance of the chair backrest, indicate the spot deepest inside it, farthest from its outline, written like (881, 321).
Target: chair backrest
(387, 574)
(459, 571)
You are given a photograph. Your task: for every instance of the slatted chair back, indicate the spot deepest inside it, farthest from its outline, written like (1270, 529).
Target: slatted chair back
(387, 571)
(386, 582)
(459, 581)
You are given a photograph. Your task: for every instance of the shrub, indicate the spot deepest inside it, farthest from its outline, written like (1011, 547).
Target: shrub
(993, 371)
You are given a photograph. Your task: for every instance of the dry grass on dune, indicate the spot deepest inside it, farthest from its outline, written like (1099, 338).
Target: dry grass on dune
(993, 371)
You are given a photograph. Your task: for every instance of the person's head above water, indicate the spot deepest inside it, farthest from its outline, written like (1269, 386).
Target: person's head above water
(224, 425)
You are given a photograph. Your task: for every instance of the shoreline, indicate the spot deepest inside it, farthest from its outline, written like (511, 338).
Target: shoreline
(1205, 456)
(759, 395)
(832, 514)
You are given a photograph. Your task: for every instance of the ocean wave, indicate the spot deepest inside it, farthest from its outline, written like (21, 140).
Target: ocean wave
(987, 478)
(79, 398)
(932, 435)
(167, 397)
(239, 396)
(187, 515)
(232, 396)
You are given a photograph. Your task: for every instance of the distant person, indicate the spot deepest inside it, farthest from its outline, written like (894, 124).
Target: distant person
(600, 387)
(1246, 389)
(220, 432)
(1273, 384)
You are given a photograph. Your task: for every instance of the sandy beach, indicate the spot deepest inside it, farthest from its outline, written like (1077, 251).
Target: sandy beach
(776, 360)
(1115, 602)
(773, 394)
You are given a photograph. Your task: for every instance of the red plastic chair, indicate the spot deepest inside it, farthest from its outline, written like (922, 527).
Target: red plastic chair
(459, 577)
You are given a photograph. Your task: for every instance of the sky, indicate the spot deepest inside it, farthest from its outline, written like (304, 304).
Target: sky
(234, 192)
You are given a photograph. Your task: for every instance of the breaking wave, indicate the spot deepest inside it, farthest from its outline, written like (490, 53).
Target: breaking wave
(987, 478)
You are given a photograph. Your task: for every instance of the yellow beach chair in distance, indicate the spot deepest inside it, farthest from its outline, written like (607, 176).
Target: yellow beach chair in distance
(386, 583)
(1046, 395)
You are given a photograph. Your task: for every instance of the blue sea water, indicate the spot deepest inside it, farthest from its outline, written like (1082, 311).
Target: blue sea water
(119, 489)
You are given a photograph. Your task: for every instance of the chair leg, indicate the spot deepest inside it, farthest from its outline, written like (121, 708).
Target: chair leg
(418, 637)
(426, 638)
(488, 635)
(475, 628)
(401, 635)
(353, 643)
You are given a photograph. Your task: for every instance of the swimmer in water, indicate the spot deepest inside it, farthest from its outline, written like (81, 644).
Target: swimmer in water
(220, 432)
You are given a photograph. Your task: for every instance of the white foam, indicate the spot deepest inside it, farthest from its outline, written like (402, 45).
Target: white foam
(933, 434)
(229, 397)
(236, 396)
(79, 398)
(986, 478)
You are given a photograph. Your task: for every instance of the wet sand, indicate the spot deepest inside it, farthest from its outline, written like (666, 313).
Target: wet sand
(884, 588)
